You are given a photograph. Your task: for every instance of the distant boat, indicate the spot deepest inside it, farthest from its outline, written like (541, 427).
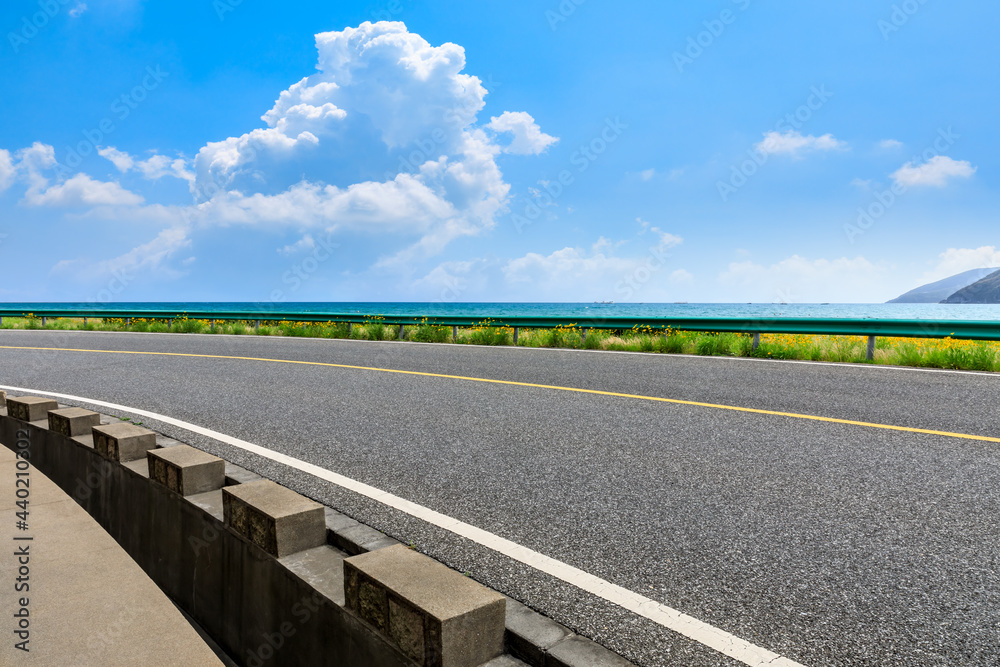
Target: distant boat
(604, 302)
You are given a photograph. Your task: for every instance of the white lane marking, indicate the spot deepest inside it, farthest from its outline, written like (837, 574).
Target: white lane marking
(672, 619)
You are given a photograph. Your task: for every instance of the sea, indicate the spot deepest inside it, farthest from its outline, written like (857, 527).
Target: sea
(904, 311)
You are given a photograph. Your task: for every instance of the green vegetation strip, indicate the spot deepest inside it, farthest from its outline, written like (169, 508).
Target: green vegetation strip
(943, 352)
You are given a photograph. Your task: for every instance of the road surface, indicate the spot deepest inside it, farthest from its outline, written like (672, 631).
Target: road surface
(803, 509)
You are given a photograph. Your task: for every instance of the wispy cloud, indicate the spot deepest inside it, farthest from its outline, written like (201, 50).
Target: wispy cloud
(958, 260)
(795, 143)
(935, 172)
(82, 190)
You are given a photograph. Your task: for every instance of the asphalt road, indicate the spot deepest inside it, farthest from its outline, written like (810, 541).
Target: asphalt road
(827, 543)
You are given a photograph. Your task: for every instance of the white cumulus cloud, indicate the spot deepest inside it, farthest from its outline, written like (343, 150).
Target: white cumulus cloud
(959, 260)
(528, 136)
(681, 277)
(382, 139)
(152, 168)
(33, 162)
(935, 172)
(82, 190)
(6, 170)
(305, 243)
(597, 273)
(456, 280)
(122, 160)
(145, 259)
(794, 143)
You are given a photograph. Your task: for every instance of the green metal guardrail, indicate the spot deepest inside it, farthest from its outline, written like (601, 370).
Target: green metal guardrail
(957, 329)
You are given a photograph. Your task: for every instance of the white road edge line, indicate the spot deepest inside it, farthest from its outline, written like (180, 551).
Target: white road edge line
(672, 619)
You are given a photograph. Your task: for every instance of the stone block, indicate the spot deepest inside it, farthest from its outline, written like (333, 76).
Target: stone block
(186, 470)
(276, 519)
(530, 635)
(359, 539)
(434, 615)
(237, 475)
(123, 441)
(72, 422)
(29, 408)
(577, 651)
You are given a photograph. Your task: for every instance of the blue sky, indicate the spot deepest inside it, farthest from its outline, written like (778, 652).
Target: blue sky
(726, 150)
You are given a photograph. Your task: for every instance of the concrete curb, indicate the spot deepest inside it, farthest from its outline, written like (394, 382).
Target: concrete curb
(254, 587)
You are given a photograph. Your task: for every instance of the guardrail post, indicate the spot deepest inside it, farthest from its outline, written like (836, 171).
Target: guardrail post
(454, 334)
(211, 325)
(583, 335)
(515, 335)
(85, 321)
(256, 326)
(399, 334)
(871, 348)
(128, 321)
(43, 320)
(756, 341)
(170, 323)
(350, 325)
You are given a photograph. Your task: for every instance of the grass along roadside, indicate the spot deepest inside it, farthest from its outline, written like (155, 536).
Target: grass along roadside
(917, 352)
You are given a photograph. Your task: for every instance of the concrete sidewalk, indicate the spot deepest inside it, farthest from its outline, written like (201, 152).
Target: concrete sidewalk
(87, 602)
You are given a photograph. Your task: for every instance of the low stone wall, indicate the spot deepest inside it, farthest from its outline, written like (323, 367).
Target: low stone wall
(252, 562)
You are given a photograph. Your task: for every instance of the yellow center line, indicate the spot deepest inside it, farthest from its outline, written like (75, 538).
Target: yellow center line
(597, 392)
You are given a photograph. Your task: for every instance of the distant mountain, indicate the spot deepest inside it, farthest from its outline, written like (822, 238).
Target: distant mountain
(940, 291)
(986, 290)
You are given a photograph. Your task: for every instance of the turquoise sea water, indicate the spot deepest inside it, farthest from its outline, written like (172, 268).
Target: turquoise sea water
(582, 310)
